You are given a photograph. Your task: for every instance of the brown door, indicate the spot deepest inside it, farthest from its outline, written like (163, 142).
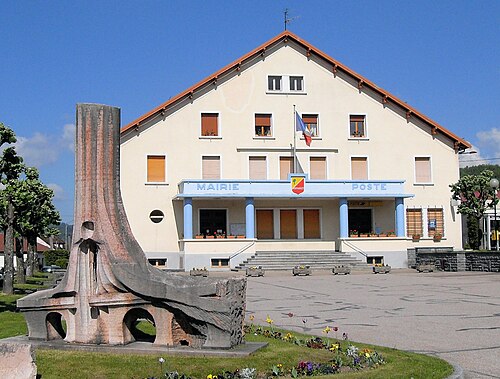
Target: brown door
(265, 224)
(311, 224)
(288, 223)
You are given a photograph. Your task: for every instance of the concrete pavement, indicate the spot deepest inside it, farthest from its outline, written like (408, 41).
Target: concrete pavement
(453, 315)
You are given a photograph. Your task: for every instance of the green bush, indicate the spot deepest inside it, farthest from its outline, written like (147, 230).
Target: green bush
(59, 257)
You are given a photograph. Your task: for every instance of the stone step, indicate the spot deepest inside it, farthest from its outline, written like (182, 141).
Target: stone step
(286, 260)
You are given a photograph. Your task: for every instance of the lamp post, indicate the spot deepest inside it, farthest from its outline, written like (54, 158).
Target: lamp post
(494, 186)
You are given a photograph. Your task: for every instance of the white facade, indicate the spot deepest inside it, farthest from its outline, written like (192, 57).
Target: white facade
(393, 140)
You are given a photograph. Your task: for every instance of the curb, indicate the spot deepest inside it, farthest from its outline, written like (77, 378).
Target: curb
(458, 372)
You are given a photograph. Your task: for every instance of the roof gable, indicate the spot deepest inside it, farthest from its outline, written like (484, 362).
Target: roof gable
(309, 51)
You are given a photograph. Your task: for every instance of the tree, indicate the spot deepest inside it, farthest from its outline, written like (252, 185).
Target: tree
(475, 196)
(34, 213)
(11, 166)
(476, 170)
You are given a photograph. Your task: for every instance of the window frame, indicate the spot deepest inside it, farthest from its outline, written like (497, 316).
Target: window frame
(431, 173)
(219, 131)
(269, 82)
(165, 181)
(295, 81)
(220, 261)
(271, 116)
(305, 114)
(365, 126)
(285, 84)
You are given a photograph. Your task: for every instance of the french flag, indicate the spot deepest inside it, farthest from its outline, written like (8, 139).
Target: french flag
(301, 127)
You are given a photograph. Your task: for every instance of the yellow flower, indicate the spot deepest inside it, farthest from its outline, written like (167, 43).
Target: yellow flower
(209, 376)
(269, 320)
(327, 330)
(334, 347)
(280, 365)
(367, 355)
(252, 317)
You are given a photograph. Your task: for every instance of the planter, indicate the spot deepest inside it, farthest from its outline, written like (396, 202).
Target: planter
(363, 235)
(240, 237)
(231, 237)
(427, 267)
(198, 272)
(381, 269)
(353, 236)
(199, 237)
(341, 270)
(210, 237)
(415, 238)
(437, 238)
(301, 270)
(255, 271)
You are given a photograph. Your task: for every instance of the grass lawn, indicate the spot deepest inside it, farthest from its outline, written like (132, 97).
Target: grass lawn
(74, 365)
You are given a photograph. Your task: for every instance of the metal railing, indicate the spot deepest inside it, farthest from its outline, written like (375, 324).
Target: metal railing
(355, 248)
(241, 250)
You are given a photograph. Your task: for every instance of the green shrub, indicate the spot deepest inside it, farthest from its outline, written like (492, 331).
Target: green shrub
(52, 257)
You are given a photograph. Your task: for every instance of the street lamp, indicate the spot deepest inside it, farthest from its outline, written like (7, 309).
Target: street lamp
(494, 185)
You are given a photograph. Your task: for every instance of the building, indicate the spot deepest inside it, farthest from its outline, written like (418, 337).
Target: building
(217, 162)
(41, 247)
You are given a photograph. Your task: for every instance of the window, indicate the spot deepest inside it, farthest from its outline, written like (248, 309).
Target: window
(423, 170)
(219, 262)
(210, 124)
(414, 224)
(359, 168)
(296, 83)
(157, 262)
(286, 167)
(257, 168)
(156, 168)
(210, 167)
(274, 83)
(263, 125)
(357, 126)
(317, 168)
(435, 221)
(213, 222)
(285, 84)
(311, 123)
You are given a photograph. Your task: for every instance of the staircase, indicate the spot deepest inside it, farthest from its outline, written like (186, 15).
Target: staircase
(286, 260)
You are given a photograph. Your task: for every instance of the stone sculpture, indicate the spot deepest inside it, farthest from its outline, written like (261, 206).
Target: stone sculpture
(109, 285)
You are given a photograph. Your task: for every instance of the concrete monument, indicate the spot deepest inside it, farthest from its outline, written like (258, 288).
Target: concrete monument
(109, 285)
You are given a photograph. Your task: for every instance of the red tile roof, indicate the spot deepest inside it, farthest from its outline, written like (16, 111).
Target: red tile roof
(386, 97)
(40, 248)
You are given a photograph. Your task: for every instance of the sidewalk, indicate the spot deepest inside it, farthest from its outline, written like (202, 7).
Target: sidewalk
(454, 315)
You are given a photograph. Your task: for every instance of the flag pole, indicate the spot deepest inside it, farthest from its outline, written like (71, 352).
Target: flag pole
(294, 140)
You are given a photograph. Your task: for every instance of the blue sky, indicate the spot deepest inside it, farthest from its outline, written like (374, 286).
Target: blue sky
(439, 56)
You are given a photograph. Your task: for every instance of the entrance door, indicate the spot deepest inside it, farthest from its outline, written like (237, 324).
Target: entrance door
(213, 221)
(360, 220)
(311, 224)
(288, 224)
(265, 224)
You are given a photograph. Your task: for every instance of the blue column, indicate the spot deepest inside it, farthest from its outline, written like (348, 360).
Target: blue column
(400, 217)
(343, 217)
(188, 218)
(250, 218)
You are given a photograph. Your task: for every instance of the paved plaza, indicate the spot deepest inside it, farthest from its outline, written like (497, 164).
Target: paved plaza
(453, 315)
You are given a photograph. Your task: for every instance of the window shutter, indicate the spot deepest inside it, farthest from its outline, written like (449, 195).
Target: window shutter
(209, 124)
(258, 168)
(422, 170)
(310, 118)
(210, 168)
(156, 168)
(359, 168)
(414, 222)
(318, 168)
(286, 167)
(262, 120)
